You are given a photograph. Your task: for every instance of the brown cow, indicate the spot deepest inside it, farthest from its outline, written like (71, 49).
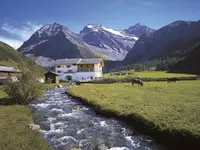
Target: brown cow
(137, 81)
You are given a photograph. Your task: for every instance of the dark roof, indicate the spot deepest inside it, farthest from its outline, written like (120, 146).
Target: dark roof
(78, 61)
(51, 72)
(66, 61)
(8, 69)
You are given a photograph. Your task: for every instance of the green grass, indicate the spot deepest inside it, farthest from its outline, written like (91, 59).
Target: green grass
(14, 134)
(9, 63)
(100, 55)
(9, 56)
(160, 74)
(2, 93)
(150, 74)
(170, 106)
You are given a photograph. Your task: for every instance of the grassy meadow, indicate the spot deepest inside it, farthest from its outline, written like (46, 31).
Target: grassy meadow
(14, 134)
(169, 106)
(150, 74)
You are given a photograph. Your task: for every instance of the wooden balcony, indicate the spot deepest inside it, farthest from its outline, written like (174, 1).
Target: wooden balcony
(85, 70)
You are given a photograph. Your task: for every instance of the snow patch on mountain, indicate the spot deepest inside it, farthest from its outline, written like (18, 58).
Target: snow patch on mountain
(44, 28)
(107, 40)
(113, 31)
(100, 27)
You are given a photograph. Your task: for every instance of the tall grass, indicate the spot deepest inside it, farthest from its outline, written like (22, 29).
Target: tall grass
(14, 134)
(170, 106)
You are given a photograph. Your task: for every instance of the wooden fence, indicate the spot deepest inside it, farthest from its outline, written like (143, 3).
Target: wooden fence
(124, 80)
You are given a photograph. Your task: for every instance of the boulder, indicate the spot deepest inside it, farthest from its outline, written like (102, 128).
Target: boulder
(34, 127)
(59, 86)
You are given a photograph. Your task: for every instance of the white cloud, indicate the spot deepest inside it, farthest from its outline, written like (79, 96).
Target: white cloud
(24, 32)
(21, 33)
(12, 42)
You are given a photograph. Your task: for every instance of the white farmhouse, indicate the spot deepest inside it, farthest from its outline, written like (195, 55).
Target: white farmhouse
(79, 69)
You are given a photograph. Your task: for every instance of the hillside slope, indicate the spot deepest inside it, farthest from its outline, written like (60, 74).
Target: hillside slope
(12, 58)
(191, 63)
(9, 56)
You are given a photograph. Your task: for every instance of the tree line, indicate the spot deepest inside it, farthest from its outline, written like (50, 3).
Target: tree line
(162, 64)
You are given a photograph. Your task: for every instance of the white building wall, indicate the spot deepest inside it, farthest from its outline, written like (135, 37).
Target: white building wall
(64, 68)
(81, 75)
(78, 75)
(97, 68)
(85, 76)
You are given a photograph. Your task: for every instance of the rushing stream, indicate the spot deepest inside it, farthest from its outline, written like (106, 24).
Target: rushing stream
(66, 123)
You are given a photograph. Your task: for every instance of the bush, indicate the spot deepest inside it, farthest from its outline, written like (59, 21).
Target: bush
(26, 88)
(68, 78)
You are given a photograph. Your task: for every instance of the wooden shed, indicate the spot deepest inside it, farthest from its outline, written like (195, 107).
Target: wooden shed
(51, 77)
(7, 72)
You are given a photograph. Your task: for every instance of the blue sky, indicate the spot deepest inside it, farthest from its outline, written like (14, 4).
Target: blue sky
(21, 18)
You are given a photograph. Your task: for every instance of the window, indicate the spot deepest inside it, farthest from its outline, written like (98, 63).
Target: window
(91, 77)
(59, 71)
(58, 66)
(68, 66)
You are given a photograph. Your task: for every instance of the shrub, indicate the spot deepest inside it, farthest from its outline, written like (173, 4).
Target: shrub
(69, 78)
(26, 88)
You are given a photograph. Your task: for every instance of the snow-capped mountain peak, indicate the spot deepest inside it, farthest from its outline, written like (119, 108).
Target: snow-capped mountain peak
(102, 28)
(92, 27)
(108, 40)
(115, 32)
